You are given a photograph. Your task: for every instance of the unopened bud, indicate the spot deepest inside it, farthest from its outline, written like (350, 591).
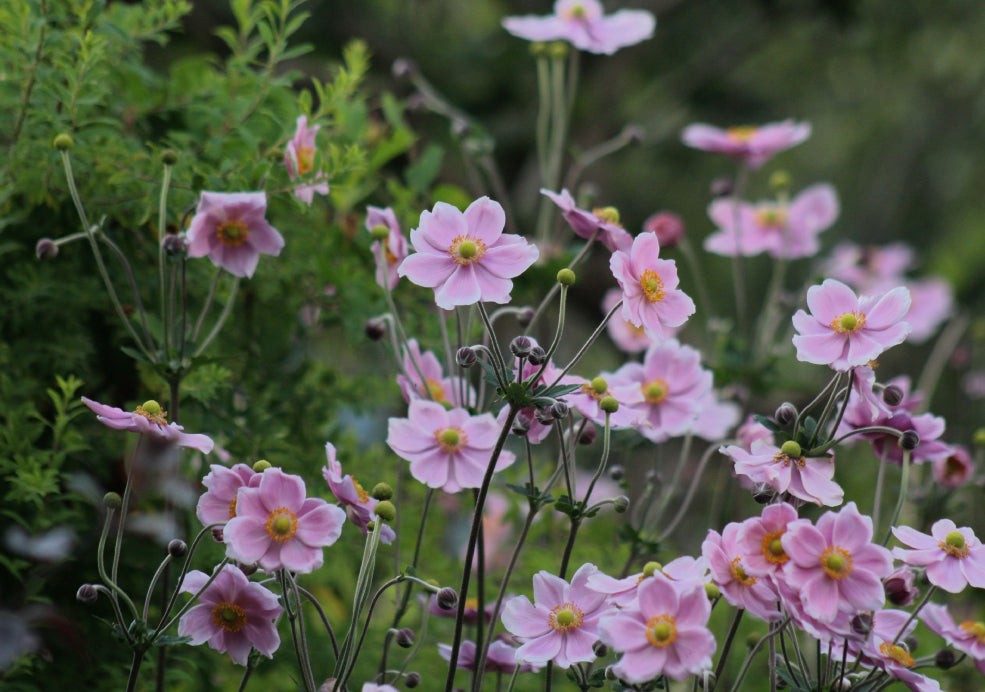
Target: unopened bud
(712, 591)
(177, 548)
(560, 409)
(609, 404)
(600, 649)
(112, 500)
(722, 187)
(900, 588)
(46, 249)
(217, 534)
(537, 356)
(617, 472)
(385, 510)
(752, 639)
(909, 440)
(538, 49)
(621, 504)
(405, 637)
(412, 679)
(382, 491)
(587, 435)
(762, 493)
(375, 328)
(403, 67)
(842, 684)
(521, 345)
(261, 465)
(862, 623)
(466, 357)
(87, 594)
(379, 232)
(447, 599)
(945, 658)
(892, 395)
(370, 525)
(785, 414)
(63, 142)
(169, 157)
(910, 642)
(174, 245)
(668, 227)
(525, 316)
(544, 416)
(521, 424)
(248, 568)
(566, 277)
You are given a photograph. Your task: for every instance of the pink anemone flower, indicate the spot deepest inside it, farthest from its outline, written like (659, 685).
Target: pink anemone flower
(684, 570)
(434, 386)
(501, 657)
(845, 331)
(753, 145)
(233, 614)
(218, 503)
(355, 500)
(277, 527)
(954, 557)
(760, 540)
(300, 160)
(968, 637)
(465, 256)
(954, 470)
(151, 420)
(582, 24)
(231, 229)
(651, 298)
(586, 224)
(627, 337)
(788, 470)
(390, 251)
(741, 589)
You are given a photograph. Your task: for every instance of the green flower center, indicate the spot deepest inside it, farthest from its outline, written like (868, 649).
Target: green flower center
(836, 562)
(791, 449)
(232, 233)
(655, 391)
(228, 616)
(451, 440)
(653, 286)
(661, 630)
(566, 617)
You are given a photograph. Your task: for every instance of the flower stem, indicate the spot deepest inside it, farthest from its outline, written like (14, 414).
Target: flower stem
(729, 638)
(903, 486)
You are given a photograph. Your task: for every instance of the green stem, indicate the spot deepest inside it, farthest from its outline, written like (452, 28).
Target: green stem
(729, 638)
(903, 486)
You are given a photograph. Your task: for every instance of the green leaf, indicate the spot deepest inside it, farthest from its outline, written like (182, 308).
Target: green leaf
(422, 172)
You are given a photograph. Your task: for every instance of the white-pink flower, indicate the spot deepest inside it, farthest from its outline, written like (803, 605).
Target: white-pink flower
(218, 502)
(754, 145)
(232, 230)
(788, 470)
(954, 557)
(391, 250)
(300, 160)
(582, 24)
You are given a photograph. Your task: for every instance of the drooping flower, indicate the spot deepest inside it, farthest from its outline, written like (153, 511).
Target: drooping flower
(663, 632)
(651, 298)
(355, 500)
(954, 470)
(667, 226)
(602, 223)
(625, 335)
(788, 470)
(582, 24)
(561, 625)
(434, 386)
(968, 637)
(231, 229)
(278, 527)
(500, 657)
(753, 145)
(391, 250)
(843, 330)
(151, 420)
(738, 587)
(233, 614)
(954, 557)
(218, 502)
(300, 160)
(447, 449)
(465, 256)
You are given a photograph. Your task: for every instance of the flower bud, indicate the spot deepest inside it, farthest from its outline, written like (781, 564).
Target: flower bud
(63, 142)
(558, 49)
(169, 157)
(521, 424)
(842, 684)
(112, 500)
(177, 548)
(521, 345)
(785, 414)
(217, 534)
(609, 404)
(385, 510)
(722, 187)
(46, 249)
(466, 357)
(538, 356)
(617, 472)
(712, 591)
(600, 649)
(566, 277)
(588, 434)
(379, 232)
(544, 416)
(370, 525)
(780, 181)
(762, 493)
(412, 679)
(945, 658)
(248, 568)
(174, 245)
(910, 440)
(403, 67)
(862, 623)
(899, 587)
(752, 639)
(87, 594)
(892, 395)
(668, 227)
(910, 642)
(525, 316)
(978, 437)
(405, 637)
(261, 465)
(621, 504)
(560, 409)
(375, 328)
(382, 491)
(447, 598)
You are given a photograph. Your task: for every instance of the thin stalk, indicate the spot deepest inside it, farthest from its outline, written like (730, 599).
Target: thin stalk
(880, 483)
(138, 658)
(817, 400)
(736, 686)
(250, 667)
(576, 260)
(668, 490)
(132, 282)
(321, 613)
(226, 310)
(114, 591)
(162, 215)
(205, 308)
(153, 582)
(181, 575)
(738, 274)
(826, 411)
(692, 489)
(934, 365)
(727, 646)
(903, 486)
(591, 340)
(704, 301)
(191, 601)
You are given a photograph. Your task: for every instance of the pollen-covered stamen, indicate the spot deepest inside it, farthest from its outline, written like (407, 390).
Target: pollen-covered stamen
(282, 524)
(740, 574)
(848, 322)
(836, 562)
(574, 12)
(897, 653)
(152, 411)
(655, 391)
(451, 440)
(975, 629)
(772, 217)
(232, 233)
(773, 548)
(228, 616)
(786, 460)
(360, 491)
(742, 133)
(566, 617)
(466, 250)
(232, 508)
(607, 215)
(598, 388)
(661, 630)
(306, 159)
(653, 286)
(954, 544)
(435, 389)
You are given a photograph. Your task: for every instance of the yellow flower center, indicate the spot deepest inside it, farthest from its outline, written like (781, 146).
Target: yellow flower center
(836, 562)
(360, 491)
(655, 391)
(740, 574)
(742, 133)
(786, 459)
(607, 215)
(975, 629)
(152, 411)
(466, 250)
(773, 548)
(451, 440)
(282, 524)
(653, 286)
(566, 617)
(897, 653)
(954, 545)
(232, 233)
(306, 159)
(232, 508)
(574, 12)
(661, 630)
(848, 322)
(228, 616)
(435, 389)
(772, 216)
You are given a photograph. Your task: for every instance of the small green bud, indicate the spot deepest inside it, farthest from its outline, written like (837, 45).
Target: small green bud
(566, 277)
(112, 500)
(978, 437)
(599, 385)
(261, 465)
(621, 504)
(63, 142)
(780, 181)
(558, 49)
(538, 49)
(791, 449)
(380, 232)
(651, 568)
(382, 491)
(385, 510)
(712, 591)
(169, 157)
(609, 404)
(370, 525)
(753, 638)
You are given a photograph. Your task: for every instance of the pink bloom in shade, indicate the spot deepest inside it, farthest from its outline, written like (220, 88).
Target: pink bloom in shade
(650, 295)
(231, 229)
(760, 542)
(373, 687)
(715, 417)
(954, 557)
(562, 623)
(753, 145)
(466, 257)
(233, 614)
(788, 471)
(752, 430)
(933, 303)
(587, 400)
(927, 426)
(834, 564)
(390, 251)
(434, 386)
(582, 24)
(667, 226)
(447, 449)
(665, 391)
(218, 503)
(277, 527)
(300, 160)
(843, 330)
(602, 223)
(784, 230)
(355, 500)
(625, 335)
(664, 632)
(500, 657)
(741, 589)
(968, 637)
(684, 571)
(955, 470)
(151, 420)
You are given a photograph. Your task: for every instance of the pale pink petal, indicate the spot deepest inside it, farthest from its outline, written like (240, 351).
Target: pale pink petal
(460, 288)
(523, 619)
(831, 299)
(197, 624)
(485, 219)
(427, 269)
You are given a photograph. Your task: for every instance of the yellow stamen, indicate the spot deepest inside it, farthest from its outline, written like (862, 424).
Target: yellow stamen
(773, 548)
(566, 617)
(450, 440)
(282, 524)
(233, 233)
(228, 616)
(772, 216)
(152, 411)
(836, 562)
(306, 159)
(661, 630)
(655, 391)
(232, 508)
(466, 250)
(897, 653)
(653, 286)
(740, 574)
(848, 322)
(954, 545)
(975, 629)
(742, 133)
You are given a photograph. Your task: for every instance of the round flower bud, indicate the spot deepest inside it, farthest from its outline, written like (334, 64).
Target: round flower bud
(379, 232)
(370, 525)
(112, 500)
(945, 658)
(447, 598)
(466, 357)
(217, 534)
(46, 249)
(544, 416)
(521, 345)
(712, 591)
(762, 493)
(375, 328)
(978, 437)
(382, 491)
(910, 642)
(405, 637)
(843, 684)
(609, 404)
(525, 316)
(566, 277)
(722, 187)
(248, 568)
(558, 49)
(785, 414)
(521, 424)
(909, 440)
(621, 504)
(588, 434)
(385, 510)
(538, 356)
(600, 649)
(412, 679)
(892, 395)
(261, 465)
(403, 67)
(169, 157)
(174, 245)
(617, 472)
(862, 623)
(87, 594)
(780, 181)
(177, 548)
(753, 638)
(560, 409)
(63, 142)
(668, 227)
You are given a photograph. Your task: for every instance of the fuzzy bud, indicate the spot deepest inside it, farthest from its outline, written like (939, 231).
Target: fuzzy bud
(385, 510)
(560, 409)
(447, 598)
(752, 639)
(248, 568)
(405, 637)
(169, 157)
(46, 249)
(609, 404)
(566, 277)
(375, 328)
(174, 245)
(412, 679)
(842, 684)
(525, 316)
(910, 642)
(862, 623)
(177, 548)
(218, 535)
(668, 227)
(909, 440)
(261, 465)
(900, 588)
(382, 491)
(617, 472)
(112, 500)
(521, 345)
(892, 395)
(63, 142)
(403, 68)
(762, 493)
(712, 591)
(538, 356)
(87, 594)
(722, 187)
(621, 504)
(785, 414)
(544, 416)
(945, 658)
(466, 357)
(521, 424)
(600, 649)
(588, 434)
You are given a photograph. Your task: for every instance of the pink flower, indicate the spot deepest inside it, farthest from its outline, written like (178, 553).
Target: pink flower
(624, 334)
(844, 331)
(900, 588)
(466, 257)
(684, 571)
(233, 615)
(752, 430)
(447, 449)
(358, 504)
(752, 145)
(788, 471)
(300, 160)
(218, 503)
(651, 298)
(787, 231)
(739, 588)
(151, 420)
(760, 540)
(968, 637)
(231, 229)
(834, 564)
(953, 556)
(954, 470)
(582, 24)
(587, 400)
(863, 411)
(562, 623)
(715, 417)
(664, 632)
(390, 251)
(279, 528)
(604, 222)
(667, 226)
(373, 687)
(500, 657)
(435, 386)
